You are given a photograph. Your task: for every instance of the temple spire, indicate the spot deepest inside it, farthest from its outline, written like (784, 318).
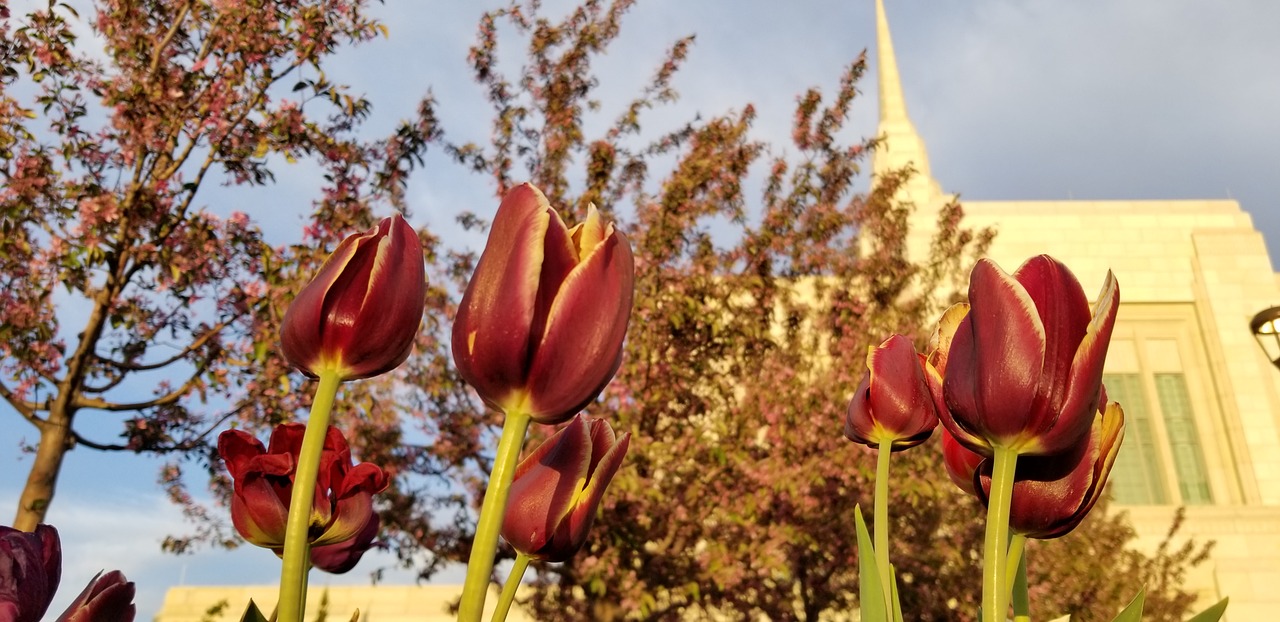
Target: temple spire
(892, 104)
(902, 145)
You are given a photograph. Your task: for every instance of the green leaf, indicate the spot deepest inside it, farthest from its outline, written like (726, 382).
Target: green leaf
(251, 614)
(897, 600)
(1133, 612)
(870, 595)
(1212, 614)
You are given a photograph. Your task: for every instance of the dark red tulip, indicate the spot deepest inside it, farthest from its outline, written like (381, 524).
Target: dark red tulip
(107, 598)
(1024, 368)
(30, 568)
(263, 480)
(1052, 494)
(541, 325)
(893, 402)
(558, 488)
(361, 312)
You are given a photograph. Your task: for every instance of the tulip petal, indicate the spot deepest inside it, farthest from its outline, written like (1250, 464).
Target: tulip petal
(940, 341)
(1084, 383)
(995, 385)
(559, 259)
(1050, 490)
(107, 597)
(1111, 435)
(901, 404)
(589, 233)
(602, 440)
(587, 323)
(341, 557)
(858, 421)
(958, 395)
(1064, 312)
(237, 449)
(962, 464)
(304, 319)
(258, 513)
(394, 290)
(573, 531)
(491, 330)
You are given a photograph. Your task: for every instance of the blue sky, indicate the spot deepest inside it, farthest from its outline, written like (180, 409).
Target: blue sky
(1136, 99)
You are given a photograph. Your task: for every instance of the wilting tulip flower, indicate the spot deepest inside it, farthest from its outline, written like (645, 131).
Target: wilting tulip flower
(558, 488)
(263, 481)
(1024, 368)
(361, 312)
(1052, 494)
(541, 325)
(30, 567)
(341, 557)
(893, 402)
(107, 597)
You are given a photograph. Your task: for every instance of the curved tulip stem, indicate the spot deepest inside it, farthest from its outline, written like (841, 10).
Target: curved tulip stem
(509, 590)
(297, 548)
(881, 510)
(485, 544)
(1016, 577)
(995, 593)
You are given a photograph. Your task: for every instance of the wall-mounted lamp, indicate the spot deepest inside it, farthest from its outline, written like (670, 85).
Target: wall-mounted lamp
(1266, 329)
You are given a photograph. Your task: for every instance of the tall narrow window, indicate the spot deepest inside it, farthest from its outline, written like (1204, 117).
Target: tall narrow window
(1184, 442)
(1135, 478)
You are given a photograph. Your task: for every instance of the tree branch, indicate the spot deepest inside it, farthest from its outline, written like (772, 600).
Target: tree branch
(27, 409)
(171, 397)
(194, 345)
(185, 445)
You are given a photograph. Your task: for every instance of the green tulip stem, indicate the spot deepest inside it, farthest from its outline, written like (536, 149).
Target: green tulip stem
(297, 546)
(485, 545)
(1017, 546)
(883, 454)
(509, 590)
(1016, 576)
(995, 593)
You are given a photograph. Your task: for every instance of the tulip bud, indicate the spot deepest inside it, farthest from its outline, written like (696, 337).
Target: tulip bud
(893, 402)
(340, 557)
(361, 312)
(1052, 494)
(1024, 367)
(107, 597)
(30, 568)
(263, 486)
(558, 488)
(541, 325)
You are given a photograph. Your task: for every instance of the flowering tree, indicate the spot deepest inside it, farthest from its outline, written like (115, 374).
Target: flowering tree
(115, 281)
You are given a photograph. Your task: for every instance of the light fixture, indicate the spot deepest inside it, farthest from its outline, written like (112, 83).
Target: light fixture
(1266, 329)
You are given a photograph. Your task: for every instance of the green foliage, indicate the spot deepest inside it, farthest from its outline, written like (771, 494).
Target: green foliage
(1133, 611)
(872, 607)
(1212, 614)
(253, 614)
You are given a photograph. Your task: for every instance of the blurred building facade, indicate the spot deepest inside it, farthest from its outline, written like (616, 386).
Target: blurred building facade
(1201, 400)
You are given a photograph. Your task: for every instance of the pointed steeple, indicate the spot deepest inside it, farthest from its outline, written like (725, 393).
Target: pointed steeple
(892, 104)
(902, 145)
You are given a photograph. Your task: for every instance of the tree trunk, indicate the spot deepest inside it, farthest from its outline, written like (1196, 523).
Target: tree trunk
(55, 441)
